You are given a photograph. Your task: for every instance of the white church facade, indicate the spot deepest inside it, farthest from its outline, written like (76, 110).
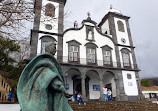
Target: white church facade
(92, 55)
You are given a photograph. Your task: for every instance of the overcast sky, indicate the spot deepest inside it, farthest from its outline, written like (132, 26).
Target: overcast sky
(143, 24)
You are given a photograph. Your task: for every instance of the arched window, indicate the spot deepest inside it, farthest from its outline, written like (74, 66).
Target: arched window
(126, 57)
(44, 40)
(50, 10)
(120, 26)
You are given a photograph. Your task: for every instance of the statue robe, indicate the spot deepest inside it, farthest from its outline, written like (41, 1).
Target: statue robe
(41, 86)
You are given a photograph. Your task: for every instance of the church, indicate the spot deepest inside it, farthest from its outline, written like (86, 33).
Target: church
(92, 55)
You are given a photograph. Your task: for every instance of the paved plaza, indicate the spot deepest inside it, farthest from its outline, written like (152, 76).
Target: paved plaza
(9, 107)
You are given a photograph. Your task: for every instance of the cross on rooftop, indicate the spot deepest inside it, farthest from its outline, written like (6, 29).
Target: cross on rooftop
(89, 14)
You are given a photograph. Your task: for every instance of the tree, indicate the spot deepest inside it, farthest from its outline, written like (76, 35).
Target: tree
(24, 52)
(8, 47)
(13, 15)
(146, 83)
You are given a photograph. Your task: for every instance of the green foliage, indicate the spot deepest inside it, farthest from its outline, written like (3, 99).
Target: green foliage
(146, 83)
(7, 47)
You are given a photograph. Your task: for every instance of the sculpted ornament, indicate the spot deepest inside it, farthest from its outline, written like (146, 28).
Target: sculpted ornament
(41, 84)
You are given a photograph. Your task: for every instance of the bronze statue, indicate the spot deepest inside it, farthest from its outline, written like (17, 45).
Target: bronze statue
(41, 84)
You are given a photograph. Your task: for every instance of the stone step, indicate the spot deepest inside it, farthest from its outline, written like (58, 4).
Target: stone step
(115, 106)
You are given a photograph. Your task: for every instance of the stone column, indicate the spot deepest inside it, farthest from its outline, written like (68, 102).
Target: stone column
(83, 87)
(101, 90)
(117, 90)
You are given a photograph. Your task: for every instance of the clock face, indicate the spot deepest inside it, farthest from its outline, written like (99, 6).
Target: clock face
(123, 40)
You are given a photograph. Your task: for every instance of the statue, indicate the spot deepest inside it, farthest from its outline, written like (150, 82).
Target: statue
(90, 35)
(41, 84)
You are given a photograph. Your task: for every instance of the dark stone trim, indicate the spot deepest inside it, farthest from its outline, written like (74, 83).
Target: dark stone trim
(34, 36)
(90, 43)
(60, 32)
(125, 50)
(133, 98)
(131, 42)
(43, 32)
(125, 46)
(107, 47)
(74, 41)
(113, 14)
(73, 29)
(114, 35)
(98, 67)
(59, 1)
(89, 20)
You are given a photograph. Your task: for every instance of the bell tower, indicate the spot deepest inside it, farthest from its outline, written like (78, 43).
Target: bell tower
(48, 26)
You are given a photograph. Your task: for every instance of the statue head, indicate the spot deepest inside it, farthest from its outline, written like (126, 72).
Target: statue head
(50, 47)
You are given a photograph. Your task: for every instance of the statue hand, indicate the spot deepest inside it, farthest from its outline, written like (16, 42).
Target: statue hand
(57, 85)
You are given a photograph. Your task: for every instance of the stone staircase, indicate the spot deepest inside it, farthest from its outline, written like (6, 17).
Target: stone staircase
(115, 106)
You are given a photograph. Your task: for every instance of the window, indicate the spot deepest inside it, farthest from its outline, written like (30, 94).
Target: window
(73, 53)
(50, 10)
(43, 46)
(129, 76)
(125, 58)
(130, 84)
(120, 26)
(91, 52)
(44, 40)
(107, 57)
(91, 55)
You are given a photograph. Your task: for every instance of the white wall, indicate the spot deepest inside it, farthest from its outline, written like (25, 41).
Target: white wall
(70, 82)
(94, 80)
(105, 27)
(121, 34)
(130, 90)
(80, 36)
(47, 20)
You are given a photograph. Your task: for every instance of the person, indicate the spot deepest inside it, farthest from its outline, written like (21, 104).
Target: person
(80, 98)
(109, 95)
(41, 84)
(10, 95)
(105, 93)
(75, 95)
(75, 24)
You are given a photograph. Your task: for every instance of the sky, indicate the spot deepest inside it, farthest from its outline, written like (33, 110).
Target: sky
(143, 25)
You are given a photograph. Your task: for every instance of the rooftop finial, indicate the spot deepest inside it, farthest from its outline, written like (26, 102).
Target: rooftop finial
(89, 14)
(111, 7)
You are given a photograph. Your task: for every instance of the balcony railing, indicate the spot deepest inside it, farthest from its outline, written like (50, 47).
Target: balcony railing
(84, 61)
